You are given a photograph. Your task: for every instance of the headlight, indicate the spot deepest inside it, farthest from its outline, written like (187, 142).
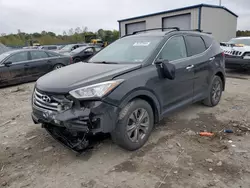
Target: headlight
(95, 91)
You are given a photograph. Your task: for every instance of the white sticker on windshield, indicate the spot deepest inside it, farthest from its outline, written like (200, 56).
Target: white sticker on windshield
(141, 44)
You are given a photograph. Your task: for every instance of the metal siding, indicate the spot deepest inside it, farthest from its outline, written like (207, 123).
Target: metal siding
(219, 22)
(156, 21)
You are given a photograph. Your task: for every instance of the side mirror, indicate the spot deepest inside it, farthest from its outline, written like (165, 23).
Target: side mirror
(7, 63)
(167, 69)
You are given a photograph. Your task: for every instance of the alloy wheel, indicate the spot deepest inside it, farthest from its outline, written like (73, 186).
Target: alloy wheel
(138, 125)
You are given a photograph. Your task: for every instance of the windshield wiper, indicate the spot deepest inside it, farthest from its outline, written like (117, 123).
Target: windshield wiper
(104, 62)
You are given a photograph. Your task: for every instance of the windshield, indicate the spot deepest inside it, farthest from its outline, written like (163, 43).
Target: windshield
(3, 56)
(126, 50)
(67, 47)
(240, 41)
(78, 50)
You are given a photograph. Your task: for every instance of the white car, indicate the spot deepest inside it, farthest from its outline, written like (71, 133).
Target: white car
(237, 52)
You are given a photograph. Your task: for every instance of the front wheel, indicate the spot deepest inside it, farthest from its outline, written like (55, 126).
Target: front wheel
(134, 126)
(215, 92)
(57, 66)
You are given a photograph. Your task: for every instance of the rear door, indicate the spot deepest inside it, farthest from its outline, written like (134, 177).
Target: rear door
(197, 50)
(177, 92)
(16, 70)
(39, 64)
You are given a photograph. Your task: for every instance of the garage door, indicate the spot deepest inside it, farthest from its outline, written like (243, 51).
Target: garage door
(130, 28)
(181, 21)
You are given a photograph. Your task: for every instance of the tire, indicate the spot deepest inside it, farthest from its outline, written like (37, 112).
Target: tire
(143, 127)
(58, 66)
(76, 60)
(215, 92)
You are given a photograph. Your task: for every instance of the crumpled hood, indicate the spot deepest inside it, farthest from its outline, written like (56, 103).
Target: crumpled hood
(81, 74)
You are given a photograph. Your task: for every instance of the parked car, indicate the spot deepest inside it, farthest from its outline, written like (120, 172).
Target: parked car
(70, 47)
(129, 86)
(83, 53)
(59, 47)
(19, 66)
(237, 53)
(48, 47)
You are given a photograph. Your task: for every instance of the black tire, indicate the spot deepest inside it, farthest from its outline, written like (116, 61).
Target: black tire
(144, 126)
(76, 60)
(58, 66)
(211, 101)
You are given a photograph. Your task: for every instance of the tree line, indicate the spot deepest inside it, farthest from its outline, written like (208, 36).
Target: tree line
(77, 35)
(242, 33)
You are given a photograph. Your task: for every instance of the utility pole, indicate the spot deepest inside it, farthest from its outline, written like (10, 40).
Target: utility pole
(220, 2)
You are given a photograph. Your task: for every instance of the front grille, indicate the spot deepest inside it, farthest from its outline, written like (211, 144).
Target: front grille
(233, 53)
(45, 102)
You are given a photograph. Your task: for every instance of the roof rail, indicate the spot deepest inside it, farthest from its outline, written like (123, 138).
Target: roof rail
(198, 30)
(176, 28)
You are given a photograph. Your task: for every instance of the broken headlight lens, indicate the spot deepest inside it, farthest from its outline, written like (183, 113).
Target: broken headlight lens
(95, 91)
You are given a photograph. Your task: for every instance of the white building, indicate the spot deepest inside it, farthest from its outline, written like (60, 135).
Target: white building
(218, 20)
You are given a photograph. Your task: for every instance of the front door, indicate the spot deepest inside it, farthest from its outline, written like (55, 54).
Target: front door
(177, 92)
(16, 68)
(87, 53)
(4, 75)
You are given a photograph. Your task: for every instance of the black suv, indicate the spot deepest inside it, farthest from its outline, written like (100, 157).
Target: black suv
(129, 86)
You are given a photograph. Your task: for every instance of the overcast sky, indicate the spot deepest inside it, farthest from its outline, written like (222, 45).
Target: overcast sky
(59, 15)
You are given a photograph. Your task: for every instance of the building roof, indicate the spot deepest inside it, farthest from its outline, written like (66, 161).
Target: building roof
(180, 9)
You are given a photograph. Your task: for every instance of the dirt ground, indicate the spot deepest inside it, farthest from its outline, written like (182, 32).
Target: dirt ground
(174, 157)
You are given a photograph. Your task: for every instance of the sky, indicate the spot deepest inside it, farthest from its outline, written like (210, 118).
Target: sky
(61, 15)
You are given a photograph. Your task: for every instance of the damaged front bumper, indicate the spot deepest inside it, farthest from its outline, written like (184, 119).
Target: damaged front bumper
(100, 117)
(71, 121)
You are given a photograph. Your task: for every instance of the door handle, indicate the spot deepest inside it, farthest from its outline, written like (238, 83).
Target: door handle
(212, 58)
(190, 67)
(26, 65)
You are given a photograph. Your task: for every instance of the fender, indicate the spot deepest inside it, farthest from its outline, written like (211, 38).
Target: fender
(142, 92)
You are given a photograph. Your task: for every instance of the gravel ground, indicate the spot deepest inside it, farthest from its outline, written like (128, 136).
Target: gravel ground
(174, 157)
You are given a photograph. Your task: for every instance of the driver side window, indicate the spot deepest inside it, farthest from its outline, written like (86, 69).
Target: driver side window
(174, 49)
(21, 56)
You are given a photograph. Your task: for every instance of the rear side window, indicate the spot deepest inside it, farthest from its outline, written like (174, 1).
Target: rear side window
(208, 41)
(195, 45)
(174, 49)
(38, 55)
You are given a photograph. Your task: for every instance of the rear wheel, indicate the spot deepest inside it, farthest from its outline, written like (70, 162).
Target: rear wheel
(215, 92)
(135, 124)
(58, 66)
(76, 60)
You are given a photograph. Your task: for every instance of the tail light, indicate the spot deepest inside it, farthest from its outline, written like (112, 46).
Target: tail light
(71, 60)
(223, 54)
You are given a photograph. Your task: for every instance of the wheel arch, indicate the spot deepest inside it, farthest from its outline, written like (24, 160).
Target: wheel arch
(148, 97)
(222, 77)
